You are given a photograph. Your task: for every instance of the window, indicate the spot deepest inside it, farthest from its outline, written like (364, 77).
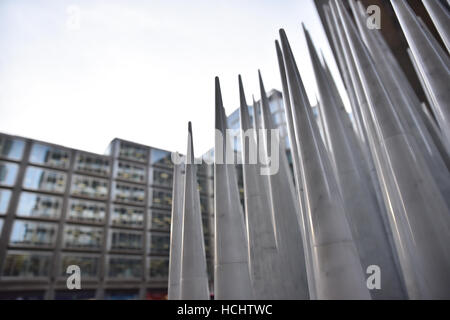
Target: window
(1, 225)
(5, 196)
(49, 156)
(86, 211)
(159, 243)
(202, 184)
(159, 268)
(8, 173)
(11, 148)
(125, 240)
(129, 193)
(161, 158)
(89, 265)
(82, 237)
(27, 265)
(131, 172)
(121, 295)
(160, 220)
(28, 233)
(45, 180)
(125, 267)
(38, 205)
(75, 294)
(89, 187)
(92, 164)
(162, 198)
(127, 216)
(162, 178)
(133, 152)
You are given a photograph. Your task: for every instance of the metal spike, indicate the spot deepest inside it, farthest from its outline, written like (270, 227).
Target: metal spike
(421, 226)
(361, 206)
(231, 264)
(441, 19)
(337, 271)
(435, 71)
(194, 277)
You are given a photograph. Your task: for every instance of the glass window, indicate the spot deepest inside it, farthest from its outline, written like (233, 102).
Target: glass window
(159, 268)
(85, 237)
(162, 158)
(39, 205)
(27, 265)
(127, 216)
(89, 265)
(33, 233)
(8, 173)
(162, 178)
(131, 172)
(162, 198)
(5, 196)
(160, 220)
(202, 184)
(92, 164)
(45, 180)
(125, 240)
(89, 187)
(86, 211)
(49, 156)
(133, 152)
(159, 243)
(124, 267)
(11, 148)
(129, 193)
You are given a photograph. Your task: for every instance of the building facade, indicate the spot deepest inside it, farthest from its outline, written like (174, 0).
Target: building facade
(108, 214)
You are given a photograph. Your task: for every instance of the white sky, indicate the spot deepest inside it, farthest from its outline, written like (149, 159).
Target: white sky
(140, 69)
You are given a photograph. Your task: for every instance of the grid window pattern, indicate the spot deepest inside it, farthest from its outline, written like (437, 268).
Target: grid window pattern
(132, 152)
(86, 211)
(162, 178)
(27, 265)
(125, 240)
(89, 187)
(124, 267)
(124, 216)
(30, 233)
(45, 180)
(8, 173)
(92, 164)
(161, 198)
(161, 158)
(11, 148)
(129, 193)
(130, 172)
(159, 243)
(82, 237)
(39, 205)
(159, 268)
(49, 156)
(5, 196)
(160, 220)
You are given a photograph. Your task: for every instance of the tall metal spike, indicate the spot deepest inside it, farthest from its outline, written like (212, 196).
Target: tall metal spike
(231, 264)
(409, 112)
(361, 205)
(418, 213)
(435, 71)
(297, 173)
(285, 208)
(337, 271)
(194, 277)
(174, 291)
(441, 18)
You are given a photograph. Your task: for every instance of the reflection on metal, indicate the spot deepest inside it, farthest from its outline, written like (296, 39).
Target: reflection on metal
(441, 19)
(194, 277)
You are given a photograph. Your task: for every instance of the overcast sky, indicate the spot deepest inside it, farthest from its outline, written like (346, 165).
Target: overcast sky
(82, 72)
